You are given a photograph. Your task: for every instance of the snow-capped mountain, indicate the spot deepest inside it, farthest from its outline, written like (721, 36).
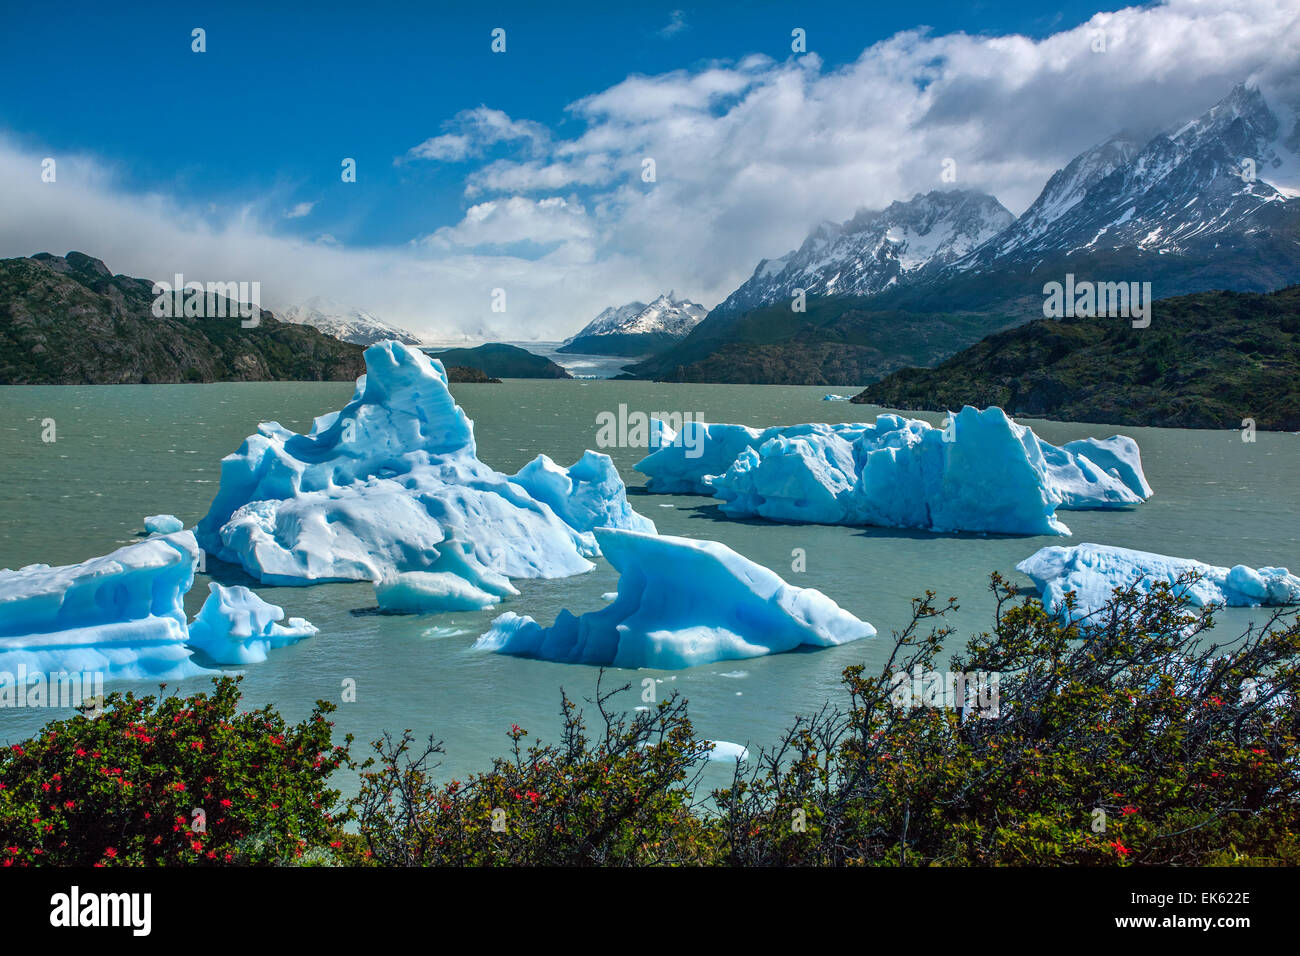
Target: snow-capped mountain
(1213, 203)
(1187, 186)
(637, 328)
(875, 249)
(345, 322)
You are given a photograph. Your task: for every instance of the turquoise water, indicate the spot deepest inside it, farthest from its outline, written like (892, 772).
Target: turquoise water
(126, 451)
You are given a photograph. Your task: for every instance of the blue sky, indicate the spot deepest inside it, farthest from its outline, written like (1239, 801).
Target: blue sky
(528, 177)
(281, 95)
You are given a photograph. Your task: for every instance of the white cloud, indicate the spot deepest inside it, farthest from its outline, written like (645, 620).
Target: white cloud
(300, 210)
(515, 219)
(472, 132)
(748, 156)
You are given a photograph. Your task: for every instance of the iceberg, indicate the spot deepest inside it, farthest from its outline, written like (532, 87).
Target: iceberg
(121, 614)
(235, 626)
(392, 484)
(724, 751)
(1093, 571)
(983, 472)
(458, 584)
(681, 603)
(587, 495)
(163, 524)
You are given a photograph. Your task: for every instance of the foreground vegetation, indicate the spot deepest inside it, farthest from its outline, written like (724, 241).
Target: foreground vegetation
(1132, 738)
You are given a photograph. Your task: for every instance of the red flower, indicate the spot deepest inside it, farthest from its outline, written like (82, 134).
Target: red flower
(226, 802)
(1127, 810)
(1120, 847)
(110, 852)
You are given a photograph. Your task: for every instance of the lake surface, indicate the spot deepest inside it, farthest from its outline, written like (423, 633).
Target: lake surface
(126, 451)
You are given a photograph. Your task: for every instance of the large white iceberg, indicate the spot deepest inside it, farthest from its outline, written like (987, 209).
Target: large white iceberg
(681, 603)
(121, 614)
(983, 472)
(389, 483)
(1093, 571)
(235, 626)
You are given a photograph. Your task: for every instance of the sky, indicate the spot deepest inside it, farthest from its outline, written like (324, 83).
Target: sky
(526, 170)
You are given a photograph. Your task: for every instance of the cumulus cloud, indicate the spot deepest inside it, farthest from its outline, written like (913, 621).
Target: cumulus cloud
(748, 155)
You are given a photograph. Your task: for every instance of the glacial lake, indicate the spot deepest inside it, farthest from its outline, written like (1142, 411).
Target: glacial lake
(123, 452)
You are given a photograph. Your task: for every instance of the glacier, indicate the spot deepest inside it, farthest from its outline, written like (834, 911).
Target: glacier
(391, 483)
(235, 626)
(681, 603)
(982, 472)
(1093, 571)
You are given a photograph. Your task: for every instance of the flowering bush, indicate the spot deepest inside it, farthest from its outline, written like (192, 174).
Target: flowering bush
(1130, 737)
(171, 780)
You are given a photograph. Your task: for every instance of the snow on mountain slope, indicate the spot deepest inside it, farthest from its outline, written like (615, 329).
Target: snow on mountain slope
(1184, 186)
(875, 249)
(344, 322)
(666, 315)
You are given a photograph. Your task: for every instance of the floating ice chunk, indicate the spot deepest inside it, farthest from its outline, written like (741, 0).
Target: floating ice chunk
(681, 603)
(235, 626)
(836, 398)
(726, 751)
(1093, 571)
(589, 494)
(163, 524)
(1096, 473)
(984, 472)
(791, 479)
(121, 614)
(458, 583)
(375, 489)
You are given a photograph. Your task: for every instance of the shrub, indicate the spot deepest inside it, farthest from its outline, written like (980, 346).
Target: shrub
(1129, 737)
(171, 780)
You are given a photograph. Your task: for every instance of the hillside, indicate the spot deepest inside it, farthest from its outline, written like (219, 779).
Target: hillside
(498, 360)
(839, 340)
(69, 320)
(1208, 360)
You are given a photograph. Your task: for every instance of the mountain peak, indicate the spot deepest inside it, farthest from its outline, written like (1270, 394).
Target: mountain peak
(666, 315)
(876, 248)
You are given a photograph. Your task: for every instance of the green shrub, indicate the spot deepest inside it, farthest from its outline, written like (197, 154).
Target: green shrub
(171, 780)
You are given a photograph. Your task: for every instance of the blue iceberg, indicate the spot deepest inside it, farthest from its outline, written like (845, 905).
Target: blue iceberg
(982, 472)
(390, 482)
(163, 524)
(1093, 571)
(235, 626)
(681, 603)
(121, 614)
